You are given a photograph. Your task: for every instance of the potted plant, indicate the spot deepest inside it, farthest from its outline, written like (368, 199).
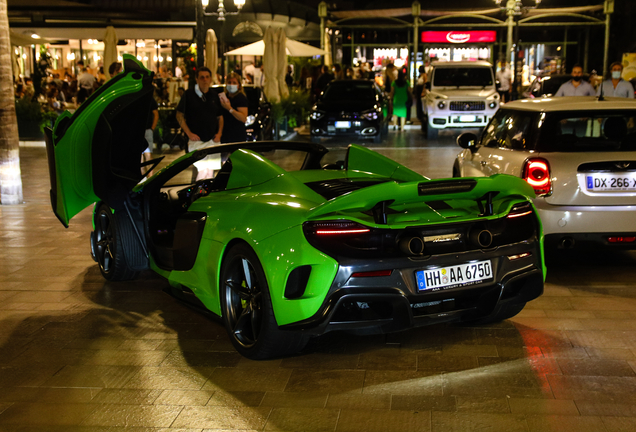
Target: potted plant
(32, 118)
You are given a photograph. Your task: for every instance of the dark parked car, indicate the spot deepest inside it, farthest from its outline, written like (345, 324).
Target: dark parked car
(350, 109)
(259, 122)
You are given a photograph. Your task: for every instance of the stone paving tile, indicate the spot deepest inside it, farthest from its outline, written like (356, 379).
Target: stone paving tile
(231, 379)
(172, 378)
(543, 406)
(383, 421)
(295, 399)
(562, 423)
(184, 397)
(44, 414)
(305, 419)
(468, 422)
(423, 403)
(600, 408)
(356, 401)
(483, 404)
(402, 383)
(302, 380)
(236, 398)
(133, 415)
(596, 367)
(214, 417)
(619, 424)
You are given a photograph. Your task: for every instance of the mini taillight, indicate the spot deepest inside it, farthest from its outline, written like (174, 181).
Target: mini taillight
(537, 173)
(617, 239)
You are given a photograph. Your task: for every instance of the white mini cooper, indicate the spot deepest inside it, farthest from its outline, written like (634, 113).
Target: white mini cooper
(579, 155)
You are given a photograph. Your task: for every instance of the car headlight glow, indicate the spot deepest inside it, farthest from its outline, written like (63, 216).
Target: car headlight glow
(441, 105)
(492, 105)
(316, 115)
(370, 115)
(250, 120)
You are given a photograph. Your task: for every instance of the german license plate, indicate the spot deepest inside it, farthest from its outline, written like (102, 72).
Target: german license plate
(611, 182)
(343, 124)
(453, 276)
(467, 118)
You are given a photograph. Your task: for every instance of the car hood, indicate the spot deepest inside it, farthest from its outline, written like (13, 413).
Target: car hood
(346, 106)
(94, 154)
(461, 93)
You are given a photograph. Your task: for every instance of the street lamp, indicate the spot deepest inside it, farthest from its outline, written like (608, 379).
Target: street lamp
(220, 15)
(513, 9)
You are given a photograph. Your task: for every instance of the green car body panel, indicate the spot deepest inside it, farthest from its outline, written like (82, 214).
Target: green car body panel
(261, 205)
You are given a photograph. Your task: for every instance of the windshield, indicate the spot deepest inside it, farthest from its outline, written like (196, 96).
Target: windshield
(462, 77)
(341, 91)
(589, 131)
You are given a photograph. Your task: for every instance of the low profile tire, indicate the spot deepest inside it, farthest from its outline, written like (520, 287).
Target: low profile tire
(431, 133)
(108, 244)
(247, 310)
(378, 138)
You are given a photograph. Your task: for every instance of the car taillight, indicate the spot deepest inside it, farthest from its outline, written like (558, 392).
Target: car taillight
(619, 239)
(520, 210)
(347, 238)
(537, 173)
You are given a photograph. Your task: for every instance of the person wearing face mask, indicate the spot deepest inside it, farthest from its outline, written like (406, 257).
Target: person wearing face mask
(235, 110)
(577, 86)
(616, 86)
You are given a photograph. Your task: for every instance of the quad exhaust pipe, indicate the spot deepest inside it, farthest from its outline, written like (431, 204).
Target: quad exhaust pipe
(411, 245)
(483, 238)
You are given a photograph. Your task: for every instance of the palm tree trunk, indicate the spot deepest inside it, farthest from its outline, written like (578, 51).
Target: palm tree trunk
(10, 180)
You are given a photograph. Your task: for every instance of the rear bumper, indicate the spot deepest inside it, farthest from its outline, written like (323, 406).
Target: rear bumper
(568, 220)
(392, 303)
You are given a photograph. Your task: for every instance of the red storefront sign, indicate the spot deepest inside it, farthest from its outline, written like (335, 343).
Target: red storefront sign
(459, 37)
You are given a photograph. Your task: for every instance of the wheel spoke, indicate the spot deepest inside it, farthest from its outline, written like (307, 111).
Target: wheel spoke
(243, 326)
(243, 292)
(246, 270)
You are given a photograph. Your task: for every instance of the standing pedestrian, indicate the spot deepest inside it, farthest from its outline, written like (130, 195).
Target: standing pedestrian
(504, 79)
(200, 116)
(615, 85)
(577, 86)
(400, 94)
(234, 103)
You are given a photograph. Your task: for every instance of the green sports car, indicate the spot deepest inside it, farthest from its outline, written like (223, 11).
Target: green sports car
(291, 240)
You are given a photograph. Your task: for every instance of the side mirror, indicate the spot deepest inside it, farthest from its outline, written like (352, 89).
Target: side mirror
(468, 141)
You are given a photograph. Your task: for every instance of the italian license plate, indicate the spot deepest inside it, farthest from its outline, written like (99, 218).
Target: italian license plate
(611, 182)
(467, 118)
(343, 124)
(453, 276)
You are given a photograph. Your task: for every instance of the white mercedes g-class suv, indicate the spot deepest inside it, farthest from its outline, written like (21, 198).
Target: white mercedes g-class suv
(460, 95)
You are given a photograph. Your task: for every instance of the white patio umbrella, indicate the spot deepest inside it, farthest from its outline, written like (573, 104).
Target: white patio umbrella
(270, 68)
(110, 49)
(211, 53)
(293, 48)
(281, 64)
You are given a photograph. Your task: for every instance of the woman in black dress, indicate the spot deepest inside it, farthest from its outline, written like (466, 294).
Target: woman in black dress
(235, 112)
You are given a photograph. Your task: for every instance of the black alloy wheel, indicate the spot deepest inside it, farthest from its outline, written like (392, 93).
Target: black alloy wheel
(247, 310)
(107, 245)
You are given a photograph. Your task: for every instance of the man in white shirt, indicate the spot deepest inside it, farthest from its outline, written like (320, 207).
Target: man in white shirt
(85, 79)
(616, 86)
(504, 77)
(577, 86)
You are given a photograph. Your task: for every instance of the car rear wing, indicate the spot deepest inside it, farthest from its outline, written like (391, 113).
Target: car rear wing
(488, 193)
